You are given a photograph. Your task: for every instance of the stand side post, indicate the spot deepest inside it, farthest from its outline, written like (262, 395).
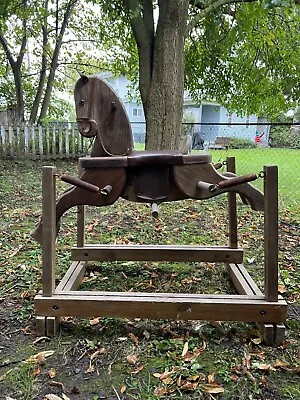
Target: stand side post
(49, 230)
(80, 218)
(232, 210)
(271, 232)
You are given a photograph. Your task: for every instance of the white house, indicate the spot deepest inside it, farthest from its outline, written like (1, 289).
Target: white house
(210, 119)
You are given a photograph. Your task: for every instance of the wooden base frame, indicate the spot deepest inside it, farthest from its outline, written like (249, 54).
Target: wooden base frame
(249, 305)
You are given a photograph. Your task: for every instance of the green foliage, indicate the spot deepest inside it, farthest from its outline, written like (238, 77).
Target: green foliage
(249, 61)
(285, 135)
(237, 143)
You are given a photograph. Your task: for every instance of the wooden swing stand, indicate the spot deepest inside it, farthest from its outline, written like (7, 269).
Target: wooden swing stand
(267, 309)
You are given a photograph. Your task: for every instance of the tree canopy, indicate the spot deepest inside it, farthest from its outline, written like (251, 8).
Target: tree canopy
(42, 44)
(244, 54)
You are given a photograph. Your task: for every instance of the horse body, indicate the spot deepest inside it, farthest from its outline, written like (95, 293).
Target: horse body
(148, 176)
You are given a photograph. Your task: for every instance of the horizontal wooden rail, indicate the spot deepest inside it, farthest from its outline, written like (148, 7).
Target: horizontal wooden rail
(156, 253)
(158, 306)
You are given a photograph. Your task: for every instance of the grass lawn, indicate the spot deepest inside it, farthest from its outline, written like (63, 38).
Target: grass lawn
(114, 358)
(253, 160)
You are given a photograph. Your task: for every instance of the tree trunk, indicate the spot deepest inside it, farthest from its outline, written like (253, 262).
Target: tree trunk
(164, 103)
(16, 70)
(54, 62)
(41, 84)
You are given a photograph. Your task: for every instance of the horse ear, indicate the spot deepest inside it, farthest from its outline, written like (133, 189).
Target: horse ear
(83, 77)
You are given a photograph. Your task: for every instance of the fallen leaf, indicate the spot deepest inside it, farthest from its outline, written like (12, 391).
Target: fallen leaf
(281, 364)
(185, 349)
(36, 371)
(211, 378)
(123, 389)
(39, 357)
(156, 374)
(90, 369)
(132, 359)
(94, 321)
(168, 381)
(166, 374)
(212, 388)
(133, 338)
(234, 377)
(121, 339)
(264, 367)
(137, 370)
(159, 391)
(96, 353)
(256, 340)
(51, 396)
(41, 339)
(193, 378)
(51, 373)
(281, 289)
(187, 385)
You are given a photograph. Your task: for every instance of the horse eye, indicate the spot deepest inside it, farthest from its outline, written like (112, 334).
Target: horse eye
(81, 103)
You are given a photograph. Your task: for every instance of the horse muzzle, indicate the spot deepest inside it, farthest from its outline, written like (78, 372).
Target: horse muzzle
(87, 127)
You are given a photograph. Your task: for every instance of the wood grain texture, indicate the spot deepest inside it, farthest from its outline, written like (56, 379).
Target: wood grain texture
(242, 281)
(158, 307)
(101, 113)
(188, 176)
(156, 253)
(232, 208)
(73, 277)
(271, 232)
(48, 231)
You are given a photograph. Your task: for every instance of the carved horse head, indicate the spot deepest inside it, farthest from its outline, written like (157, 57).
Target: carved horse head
(101, 114)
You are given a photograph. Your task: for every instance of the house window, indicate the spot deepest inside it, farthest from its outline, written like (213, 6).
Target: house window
(137, 112)
(229, 119)
(247, 122)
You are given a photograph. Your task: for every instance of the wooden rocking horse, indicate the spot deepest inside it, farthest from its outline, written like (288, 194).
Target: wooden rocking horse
(114, 170)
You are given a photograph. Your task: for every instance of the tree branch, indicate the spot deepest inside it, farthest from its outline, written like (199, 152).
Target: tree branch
(211, 7)
(6, 49)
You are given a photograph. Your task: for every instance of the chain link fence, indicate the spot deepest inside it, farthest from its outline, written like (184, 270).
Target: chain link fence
(253, 145)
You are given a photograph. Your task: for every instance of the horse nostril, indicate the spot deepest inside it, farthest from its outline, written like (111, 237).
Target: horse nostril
(81, 103)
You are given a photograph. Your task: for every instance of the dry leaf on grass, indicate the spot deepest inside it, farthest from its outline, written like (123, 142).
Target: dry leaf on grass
(132, 359)
(212, 388)
(94, 321)
(188, 385)
(160, 391)
(37, 371)
(40, 357)
(185, 349)
(138, 369)
(123, 389)
(133, 338)
(51, 373)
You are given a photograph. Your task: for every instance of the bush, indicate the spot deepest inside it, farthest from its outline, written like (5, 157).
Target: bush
(238, 143)
(285, 136)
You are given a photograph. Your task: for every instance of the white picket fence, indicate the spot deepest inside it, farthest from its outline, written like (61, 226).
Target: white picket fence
(57, 140)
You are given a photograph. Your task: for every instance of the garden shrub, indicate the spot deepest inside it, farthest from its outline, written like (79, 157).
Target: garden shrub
(285, 135)
(238, 143)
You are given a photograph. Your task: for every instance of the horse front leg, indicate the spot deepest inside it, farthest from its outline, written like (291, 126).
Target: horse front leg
(76, 196)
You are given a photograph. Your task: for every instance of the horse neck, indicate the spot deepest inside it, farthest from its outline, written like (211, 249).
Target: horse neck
(97, 148)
